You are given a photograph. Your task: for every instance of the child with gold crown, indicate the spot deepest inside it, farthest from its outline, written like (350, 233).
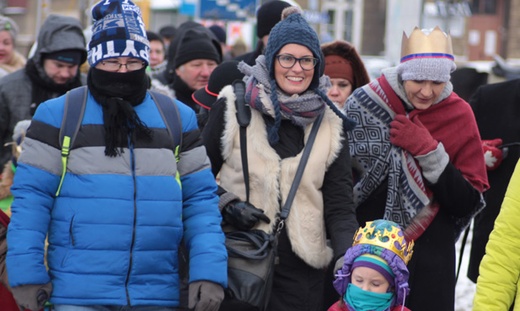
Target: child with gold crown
(374, 276)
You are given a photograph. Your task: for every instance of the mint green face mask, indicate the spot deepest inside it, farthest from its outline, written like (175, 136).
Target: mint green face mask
(362, 300)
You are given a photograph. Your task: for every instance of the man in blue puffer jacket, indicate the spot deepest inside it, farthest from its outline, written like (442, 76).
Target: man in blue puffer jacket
(125, 203)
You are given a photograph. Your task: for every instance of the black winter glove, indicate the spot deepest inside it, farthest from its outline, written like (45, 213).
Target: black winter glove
(243, 215)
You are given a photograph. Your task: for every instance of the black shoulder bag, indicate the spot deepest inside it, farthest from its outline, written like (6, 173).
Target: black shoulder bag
(252, 254)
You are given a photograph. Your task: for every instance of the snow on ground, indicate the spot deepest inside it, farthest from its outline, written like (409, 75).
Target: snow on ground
(465, 289)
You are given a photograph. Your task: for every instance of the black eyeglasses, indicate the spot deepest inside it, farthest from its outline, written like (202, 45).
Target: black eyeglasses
(114, 65)
(287, 61)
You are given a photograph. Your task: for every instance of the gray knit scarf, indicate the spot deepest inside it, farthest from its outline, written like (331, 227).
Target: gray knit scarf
(301, 109)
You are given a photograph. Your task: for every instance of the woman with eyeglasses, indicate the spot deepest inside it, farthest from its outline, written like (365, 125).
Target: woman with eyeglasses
(285, 92)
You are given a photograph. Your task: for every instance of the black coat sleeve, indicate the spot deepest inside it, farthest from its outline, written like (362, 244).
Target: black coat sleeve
(454, 193)
(339, 210)
(212, 133)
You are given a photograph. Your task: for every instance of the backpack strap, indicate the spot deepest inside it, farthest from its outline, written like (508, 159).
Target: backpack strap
(75, 102)
(171, 117)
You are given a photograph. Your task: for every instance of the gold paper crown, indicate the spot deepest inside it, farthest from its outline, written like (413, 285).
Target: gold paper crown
(385, 234)
(436, 42)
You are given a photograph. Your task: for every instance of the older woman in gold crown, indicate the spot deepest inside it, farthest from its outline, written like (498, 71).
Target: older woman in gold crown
(418, 161)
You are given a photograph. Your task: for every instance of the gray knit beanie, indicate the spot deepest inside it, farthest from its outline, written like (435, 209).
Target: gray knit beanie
(426, 55)
(293, 28)
(9, 25)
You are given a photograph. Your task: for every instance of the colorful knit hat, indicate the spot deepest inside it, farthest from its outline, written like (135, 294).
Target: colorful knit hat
(118, 31)
(426, 55)
(293, 28)
(384, 239)
(377, 263)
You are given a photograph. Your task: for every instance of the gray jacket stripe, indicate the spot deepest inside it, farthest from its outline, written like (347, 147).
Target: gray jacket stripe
(147, 162)
(190, 161)
(41, 155)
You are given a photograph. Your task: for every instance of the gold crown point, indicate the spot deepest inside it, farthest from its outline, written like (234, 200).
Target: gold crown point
(387, 235)
(418, 42)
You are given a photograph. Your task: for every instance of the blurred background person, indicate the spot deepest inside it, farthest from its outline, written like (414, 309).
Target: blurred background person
(224, 74)
(267, 15)
(167, 33)
(10, 59)
(345, 69)
(220, 34)
(497, 113)
(192, 57)
(50, 72)
(157, 54)
(238, 48)
(347, 72)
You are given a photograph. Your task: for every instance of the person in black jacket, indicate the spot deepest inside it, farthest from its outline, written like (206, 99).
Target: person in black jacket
(286, 92)
(497, 113)
(419, 161)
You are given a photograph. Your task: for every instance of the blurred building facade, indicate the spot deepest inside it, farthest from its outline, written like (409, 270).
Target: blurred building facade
(479, 28)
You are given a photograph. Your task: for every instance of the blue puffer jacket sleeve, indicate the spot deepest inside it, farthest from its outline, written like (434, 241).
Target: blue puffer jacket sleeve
(203, 233)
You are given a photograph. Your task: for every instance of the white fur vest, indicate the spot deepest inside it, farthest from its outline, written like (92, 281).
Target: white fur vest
(271, 178)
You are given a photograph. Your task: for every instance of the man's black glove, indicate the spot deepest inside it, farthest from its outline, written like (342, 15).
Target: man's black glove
(243, 215)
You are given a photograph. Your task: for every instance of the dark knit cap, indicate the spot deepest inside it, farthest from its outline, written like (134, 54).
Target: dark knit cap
(219, 32)
(293, 28)
(268, 15)
(224, 74)
(168, 31)
(74, 57)
(196, 44)
(118, 31)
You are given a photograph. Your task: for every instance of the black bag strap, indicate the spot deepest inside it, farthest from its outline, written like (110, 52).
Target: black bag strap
(299, 172)
(244, 118)
(258, 241)
(74, 109)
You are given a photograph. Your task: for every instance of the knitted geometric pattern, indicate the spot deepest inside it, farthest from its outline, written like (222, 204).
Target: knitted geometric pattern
(118, 31)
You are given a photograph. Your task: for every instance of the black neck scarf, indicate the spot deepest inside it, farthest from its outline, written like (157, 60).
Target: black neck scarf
(118, 94)
(43, 87)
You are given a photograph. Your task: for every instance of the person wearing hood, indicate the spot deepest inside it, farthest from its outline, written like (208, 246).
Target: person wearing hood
(419, 161)
(116, 211)
(49, 73)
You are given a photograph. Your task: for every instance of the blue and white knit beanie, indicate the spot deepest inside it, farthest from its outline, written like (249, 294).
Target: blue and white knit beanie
(426, 56)
(293, 28)
(118, 31)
